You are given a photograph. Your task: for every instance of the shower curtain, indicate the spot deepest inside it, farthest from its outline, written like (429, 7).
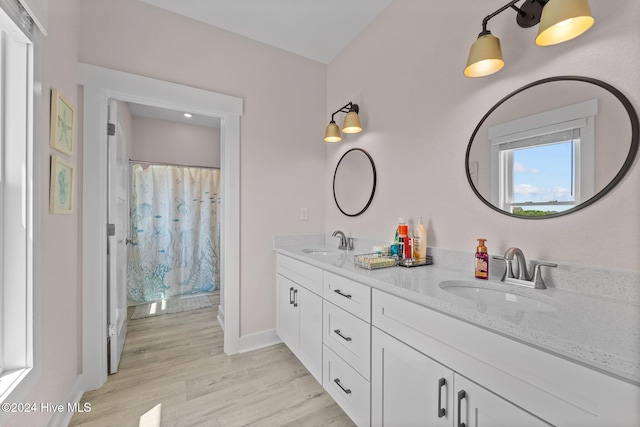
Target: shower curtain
(175, 232)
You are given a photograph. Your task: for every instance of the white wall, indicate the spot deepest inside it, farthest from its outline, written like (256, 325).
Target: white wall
(282, 153)
(419, 111)
(157, 140)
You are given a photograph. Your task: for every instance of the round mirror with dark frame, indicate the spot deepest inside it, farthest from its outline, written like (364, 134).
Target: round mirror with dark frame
(552, 147)
(354, 182)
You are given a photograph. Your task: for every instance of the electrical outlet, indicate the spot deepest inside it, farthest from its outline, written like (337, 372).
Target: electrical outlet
(304, 214)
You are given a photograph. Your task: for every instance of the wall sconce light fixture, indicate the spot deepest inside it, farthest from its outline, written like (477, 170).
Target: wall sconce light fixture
(351, 123)
(560, 21)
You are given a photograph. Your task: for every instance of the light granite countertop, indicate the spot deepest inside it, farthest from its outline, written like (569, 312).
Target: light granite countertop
(600, 333)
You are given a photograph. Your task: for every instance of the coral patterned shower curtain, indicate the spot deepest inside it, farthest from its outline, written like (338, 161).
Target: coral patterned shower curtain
(175, 232)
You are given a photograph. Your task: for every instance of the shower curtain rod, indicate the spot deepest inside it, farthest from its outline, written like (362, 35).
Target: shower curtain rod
(171, 164)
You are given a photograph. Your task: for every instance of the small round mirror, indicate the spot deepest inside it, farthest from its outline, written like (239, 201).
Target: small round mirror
(552, 147)
(354, 182)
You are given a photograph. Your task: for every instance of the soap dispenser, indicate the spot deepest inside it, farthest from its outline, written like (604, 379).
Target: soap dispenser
(482, 260)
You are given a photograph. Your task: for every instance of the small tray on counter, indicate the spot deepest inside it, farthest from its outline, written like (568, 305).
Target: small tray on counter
(416, 262)
(374, 261)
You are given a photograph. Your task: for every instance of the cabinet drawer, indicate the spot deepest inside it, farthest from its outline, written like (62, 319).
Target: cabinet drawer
(348, 388)
(303, 274)
(348, 336)
(351, 296)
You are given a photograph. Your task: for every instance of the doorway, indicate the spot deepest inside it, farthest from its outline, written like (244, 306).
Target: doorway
(100, 85)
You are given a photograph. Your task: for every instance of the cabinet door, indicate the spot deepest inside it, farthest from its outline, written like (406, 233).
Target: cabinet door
(478, 407)
(408, 388)
(287, 320)
(310, 337)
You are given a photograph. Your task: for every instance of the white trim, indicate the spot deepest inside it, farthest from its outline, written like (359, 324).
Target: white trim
(546, 118)
(258, 340)
(230, 230)
(39, 11)
(100, 84)
(159, 93)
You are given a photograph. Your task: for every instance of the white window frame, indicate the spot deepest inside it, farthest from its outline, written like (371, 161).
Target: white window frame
(505, 137)
(19, 202)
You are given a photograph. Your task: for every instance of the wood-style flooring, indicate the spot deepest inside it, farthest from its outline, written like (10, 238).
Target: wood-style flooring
(178, 360)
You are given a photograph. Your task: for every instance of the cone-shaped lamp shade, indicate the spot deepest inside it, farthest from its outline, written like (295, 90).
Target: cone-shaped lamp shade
(351, 123)
(332, 133)
(485, 57)
(563, 20)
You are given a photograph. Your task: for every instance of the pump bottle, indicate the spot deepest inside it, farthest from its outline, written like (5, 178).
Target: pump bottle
(482, 260)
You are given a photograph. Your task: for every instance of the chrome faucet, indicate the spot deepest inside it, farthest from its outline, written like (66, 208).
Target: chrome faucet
(521, 263)
(523, 279)
(343, 239)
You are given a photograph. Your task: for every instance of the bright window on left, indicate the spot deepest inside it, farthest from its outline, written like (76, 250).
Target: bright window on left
(16, 197)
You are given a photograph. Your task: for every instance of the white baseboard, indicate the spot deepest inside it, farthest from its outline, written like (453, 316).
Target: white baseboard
(258, 340)
(71, 405)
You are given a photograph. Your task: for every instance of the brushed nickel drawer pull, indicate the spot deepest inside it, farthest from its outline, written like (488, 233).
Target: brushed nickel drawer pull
(337, 291)
(346, 390)
(441, 411)
(337, 331)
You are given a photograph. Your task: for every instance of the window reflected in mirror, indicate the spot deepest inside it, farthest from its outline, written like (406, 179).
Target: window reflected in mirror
(552, 147)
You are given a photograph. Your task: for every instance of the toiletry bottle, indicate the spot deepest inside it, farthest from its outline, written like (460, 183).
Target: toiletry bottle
(403, 233)
(408, 248)
(420, 240)
(482, 260)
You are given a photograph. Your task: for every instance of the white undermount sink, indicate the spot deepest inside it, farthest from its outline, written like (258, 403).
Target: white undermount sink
(320, 251)
(495, 297)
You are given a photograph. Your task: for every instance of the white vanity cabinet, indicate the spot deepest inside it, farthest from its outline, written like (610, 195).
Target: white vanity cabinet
(504, 382)
(388, 361)
(475, 406)
(408, 388)
(347, 345)
(411, 389)
(299, 311)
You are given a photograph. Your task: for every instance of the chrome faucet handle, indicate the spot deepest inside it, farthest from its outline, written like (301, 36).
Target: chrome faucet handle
(537, 275)
(350, 243)
(508, 271)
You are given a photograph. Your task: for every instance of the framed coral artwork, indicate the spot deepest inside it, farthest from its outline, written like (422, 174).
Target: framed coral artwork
(62, 123)
(61, 192)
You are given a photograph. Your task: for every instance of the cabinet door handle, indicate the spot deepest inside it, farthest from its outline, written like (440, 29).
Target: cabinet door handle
(461, 395)
(441, 411)
(339, 292)
(346, 390)
(337, 331)
(290, 295)
(295, 298)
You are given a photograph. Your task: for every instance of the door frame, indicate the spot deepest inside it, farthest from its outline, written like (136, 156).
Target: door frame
(98, 86)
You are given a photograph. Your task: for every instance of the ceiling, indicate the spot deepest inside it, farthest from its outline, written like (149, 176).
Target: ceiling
(172, 115)
(316, 29)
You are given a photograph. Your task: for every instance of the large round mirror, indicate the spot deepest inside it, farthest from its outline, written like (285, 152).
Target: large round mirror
(552, 147)
(354, 182)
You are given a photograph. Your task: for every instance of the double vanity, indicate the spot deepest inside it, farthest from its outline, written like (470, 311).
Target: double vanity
(433, 346)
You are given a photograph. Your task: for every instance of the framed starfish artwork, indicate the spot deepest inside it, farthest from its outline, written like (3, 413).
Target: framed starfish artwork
(62, 123)
(61, 191)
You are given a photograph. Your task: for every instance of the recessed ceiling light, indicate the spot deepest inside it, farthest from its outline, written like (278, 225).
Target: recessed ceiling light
(188, 116)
